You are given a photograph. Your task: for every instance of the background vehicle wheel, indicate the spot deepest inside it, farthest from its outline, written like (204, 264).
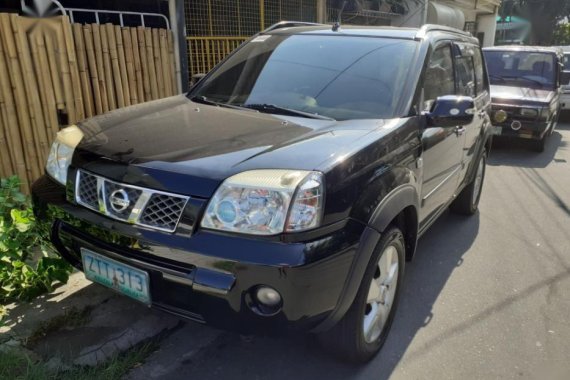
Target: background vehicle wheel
(467, 201)
(364, 329)
(539, 145)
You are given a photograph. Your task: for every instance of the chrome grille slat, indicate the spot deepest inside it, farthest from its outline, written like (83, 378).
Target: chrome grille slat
(148, 208)
(162, 210)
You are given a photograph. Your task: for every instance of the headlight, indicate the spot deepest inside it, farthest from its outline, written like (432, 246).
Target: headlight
(61, 153)
(500, 116)
(267, 202)
(529, 112)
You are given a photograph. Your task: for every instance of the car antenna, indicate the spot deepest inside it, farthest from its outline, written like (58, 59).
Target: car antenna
(336, 25)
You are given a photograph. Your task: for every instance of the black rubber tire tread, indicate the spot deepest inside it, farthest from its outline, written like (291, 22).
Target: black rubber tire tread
(538, 145)
(345, 340)
(463, 203)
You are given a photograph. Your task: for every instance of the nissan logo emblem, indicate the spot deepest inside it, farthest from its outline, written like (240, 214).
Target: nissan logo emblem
(119, 200)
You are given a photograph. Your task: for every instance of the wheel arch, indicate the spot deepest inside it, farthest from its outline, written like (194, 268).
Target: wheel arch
(399, 208)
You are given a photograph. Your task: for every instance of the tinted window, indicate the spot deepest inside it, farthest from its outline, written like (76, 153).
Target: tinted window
(566, 62)
(465, 74)
(439, 79)
(340, 77)
(521, 68)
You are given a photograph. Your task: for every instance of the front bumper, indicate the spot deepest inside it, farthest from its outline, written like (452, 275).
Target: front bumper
(530, 130)
(209, 277)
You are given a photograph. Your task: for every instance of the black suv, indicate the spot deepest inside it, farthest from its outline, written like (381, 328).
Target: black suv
(287, 189)
(525, 91)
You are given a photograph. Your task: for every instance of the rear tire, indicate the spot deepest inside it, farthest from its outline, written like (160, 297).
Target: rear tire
(361, 333)
(467, 202)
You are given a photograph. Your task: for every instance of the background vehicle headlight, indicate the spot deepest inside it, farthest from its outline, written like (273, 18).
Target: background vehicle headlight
(529, 112)
(61, 153)
(267, 202)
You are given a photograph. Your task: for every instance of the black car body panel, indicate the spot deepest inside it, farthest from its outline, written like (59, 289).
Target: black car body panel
(377, 172)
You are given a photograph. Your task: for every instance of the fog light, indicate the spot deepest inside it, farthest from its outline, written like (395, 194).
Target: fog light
(268, 296)
(501, 116)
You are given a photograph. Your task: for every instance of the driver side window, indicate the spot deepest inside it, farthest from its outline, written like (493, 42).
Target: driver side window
(439, 78)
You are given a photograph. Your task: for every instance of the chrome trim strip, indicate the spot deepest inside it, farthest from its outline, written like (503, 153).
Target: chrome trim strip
(140, 206)
(452, 174)
(101, 195)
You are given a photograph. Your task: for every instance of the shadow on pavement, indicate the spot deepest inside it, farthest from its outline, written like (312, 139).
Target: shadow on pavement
(520, 153)
(440, 252)
(24, 319)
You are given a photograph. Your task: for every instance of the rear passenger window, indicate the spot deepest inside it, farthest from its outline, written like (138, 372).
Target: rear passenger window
(465, 73)
(439, 79)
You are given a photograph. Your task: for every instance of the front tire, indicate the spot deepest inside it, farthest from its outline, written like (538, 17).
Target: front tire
(467, 202)
(540, 144)
(361, 333)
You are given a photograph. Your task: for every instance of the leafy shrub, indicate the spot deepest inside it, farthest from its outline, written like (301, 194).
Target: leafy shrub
(28, 264)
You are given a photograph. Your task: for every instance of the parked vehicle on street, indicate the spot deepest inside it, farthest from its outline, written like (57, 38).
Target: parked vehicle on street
(525, 91)
(565, 80)
(287, 189)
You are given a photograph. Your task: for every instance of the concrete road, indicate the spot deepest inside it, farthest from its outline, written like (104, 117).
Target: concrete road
(486, 297)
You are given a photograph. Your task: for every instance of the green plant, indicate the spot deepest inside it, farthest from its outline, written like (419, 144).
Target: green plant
(28, 265)
(562, 34)
(18, 365)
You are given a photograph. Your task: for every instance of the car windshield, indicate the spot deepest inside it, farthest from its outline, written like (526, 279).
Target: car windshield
(332, 76)
(521, 68)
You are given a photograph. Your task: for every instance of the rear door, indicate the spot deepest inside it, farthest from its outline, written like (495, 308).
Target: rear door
(441, 161)
(471, 81)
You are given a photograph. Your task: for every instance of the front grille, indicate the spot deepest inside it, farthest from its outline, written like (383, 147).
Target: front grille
(88, 191)
(514, 113)
(161, 210)
(131, 204)
(112, 188)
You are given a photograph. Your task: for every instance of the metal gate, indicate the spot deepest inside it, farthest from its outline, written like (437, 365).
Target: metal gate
(216, 27)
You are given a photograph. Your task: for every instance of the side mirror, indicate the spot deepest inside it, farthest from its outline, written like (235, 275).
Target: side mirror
(451, 111)
(565, 78)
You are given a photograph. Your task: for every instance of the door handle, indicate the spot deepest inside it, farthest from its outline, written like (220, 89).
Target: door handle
(460, 130)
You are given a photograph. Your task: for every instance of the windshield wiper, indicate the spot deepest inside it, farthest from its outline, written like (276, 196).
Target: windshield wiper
(272, 108)
(205, 100)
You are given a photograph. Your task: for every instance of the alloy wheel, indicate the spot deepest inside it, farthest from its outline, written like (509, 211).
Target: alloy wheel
(381, 294)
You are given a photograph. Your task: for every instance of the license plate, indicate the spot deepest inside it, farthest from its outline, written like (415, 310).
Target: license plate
(115, 275)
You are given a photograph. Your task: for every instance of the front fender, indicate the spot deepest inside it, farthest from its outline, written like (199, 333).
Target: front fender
(404, 197)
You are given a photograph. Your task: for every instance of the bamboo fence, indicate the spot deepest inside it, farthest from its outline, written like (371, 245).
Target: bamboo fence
(54, 73)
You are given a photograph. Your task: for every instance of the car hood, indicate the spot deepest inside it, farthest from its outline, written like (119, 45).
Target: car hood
(209, 143)
(520, 95)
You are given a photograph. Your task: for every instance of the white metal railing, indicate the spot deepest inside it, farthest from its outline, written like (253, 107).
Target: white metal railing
(96, 12)
(43, 8)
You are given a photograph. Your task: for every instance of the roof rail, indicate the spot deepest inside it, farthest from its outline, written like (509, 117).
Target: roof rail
(441, 28)
(290, 24)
